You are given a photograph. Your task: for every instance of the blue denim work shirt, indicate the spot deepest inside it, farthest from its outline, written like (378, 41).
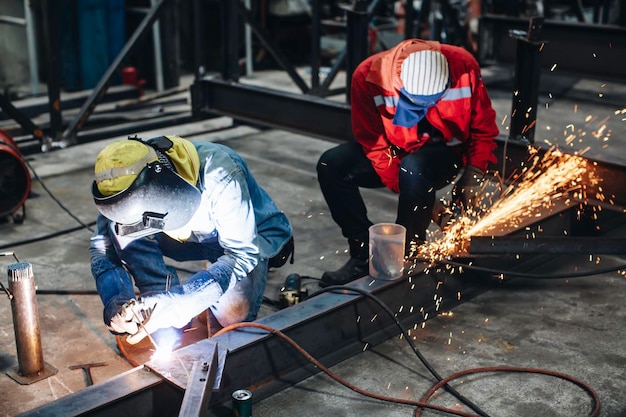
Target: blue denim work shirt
(236, 227)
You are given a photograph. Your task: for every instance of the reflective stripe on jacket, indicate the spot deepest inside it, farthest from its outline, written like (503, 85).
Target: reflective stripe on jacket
(463, 114)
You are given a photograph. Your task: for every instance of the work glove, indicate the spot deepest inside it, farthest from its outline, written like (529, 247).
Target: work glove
(127, 319)
(467, 190)
(121, 325)
(174, 309)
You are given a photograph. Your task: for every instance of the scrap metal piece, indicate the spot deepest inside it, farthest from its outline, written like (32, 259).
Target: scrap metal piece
(202, 379)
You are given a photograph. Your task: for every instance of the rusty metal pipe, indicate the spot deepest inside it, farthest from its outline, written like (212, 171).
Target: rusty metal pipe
(25, 319)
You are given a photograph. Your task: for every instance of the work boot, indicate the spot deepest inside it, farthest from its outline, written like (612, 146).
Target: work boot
(353, 269)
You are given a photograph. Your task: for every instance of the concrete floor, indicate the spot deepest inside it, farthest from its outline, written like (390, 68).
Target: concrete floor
(571, 326)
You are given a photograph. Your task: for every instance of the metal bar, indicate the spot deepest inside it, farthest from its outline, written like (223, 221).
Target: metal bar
(98, 133)
(230, 40)
(248, 42)
(526, 83)
(12, 20)
(34, 106)
(21, 119)
(265, 39)
(199, 44)
(481, 245)
(316, 34)
(31, 39)
(284, 110)
(124, 394)
(358, 18)
(158, 57)
(410, 28)
(69, 136)
(200, 385)
(52, 30)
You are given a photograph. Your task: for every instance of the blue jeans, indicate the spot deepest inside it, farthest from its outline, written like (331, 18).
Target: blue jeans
(145, 268)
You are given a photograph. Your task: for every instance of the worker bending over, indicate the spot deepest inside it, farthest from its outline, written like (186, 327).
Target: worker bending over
(187, 201)
(420, 114)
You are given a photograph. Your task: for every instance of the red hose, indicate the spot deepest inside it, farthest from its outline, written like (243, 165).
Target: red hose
(423, 403)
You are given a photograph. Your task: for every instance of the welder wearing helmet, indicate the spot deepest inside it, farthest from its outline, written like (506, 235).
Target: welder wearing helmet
(420, 116)
(167, 196)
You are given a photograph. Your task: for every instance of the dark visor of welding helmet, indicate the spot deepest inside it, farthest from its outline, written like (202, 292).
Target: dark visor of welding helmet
(158, 200)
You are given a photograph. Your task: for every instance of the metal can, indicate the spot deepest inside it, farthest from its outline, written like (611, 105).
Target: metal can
(242, 403)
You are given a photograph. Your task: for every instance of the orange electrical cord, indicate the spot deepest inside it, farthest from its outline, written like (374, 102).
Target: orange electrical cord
(423, 403)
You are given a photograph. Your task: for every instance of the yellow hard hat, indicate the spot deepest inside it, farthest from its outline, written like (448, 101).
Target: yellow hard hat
(119, 163)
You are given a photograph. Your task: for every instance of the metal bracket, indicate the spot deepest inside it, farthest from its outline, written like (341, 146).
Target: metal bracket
(203, 377)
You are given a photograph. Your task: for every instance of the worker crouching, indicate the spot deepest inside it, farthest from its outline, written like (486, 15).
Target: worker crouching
(186, 201)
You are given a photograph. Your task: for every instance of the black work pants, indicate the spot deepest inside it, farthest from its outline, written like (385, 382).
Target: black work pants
(343, 169)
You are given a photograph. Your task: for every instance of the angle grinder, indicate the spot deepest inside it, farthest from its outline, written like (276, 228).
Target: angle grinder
(292, 292)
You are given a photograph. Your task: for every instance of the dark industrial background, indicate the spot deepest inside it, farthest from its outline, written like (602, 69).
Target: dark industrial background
(268, 78)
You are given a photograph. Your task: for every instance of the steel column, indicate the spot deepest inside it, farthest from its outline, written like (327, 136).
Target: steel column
(358, 17)
(51, 29)
(229, 64)
(526, 84)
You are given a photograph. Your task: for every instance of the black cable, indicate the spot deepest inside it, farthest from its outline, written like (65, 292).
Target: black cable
(67, 292)
(45, 237)
(55, 199)
(439, 378)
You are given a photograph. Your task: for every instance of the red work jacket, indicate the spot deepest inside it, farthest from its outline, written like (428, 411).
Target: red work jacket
(464, 114)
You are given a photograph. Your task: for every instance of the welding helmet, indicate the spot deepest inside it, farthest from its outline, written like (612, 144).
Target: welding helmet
(146, 187)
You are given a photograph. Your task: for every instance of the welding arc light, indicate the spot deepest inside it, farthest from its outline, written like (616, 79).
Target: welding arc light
(158, 200)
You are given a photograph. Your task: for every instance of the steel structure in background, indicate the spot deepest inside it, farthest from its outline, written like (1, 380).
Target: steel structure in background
(69, 135)
(596, 50)
(53, 136)
(591, 49)
(31, 40)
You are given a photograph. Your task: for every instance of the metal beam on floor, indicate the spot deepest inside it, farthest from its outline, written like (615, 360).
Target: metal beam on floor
(331, 326)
